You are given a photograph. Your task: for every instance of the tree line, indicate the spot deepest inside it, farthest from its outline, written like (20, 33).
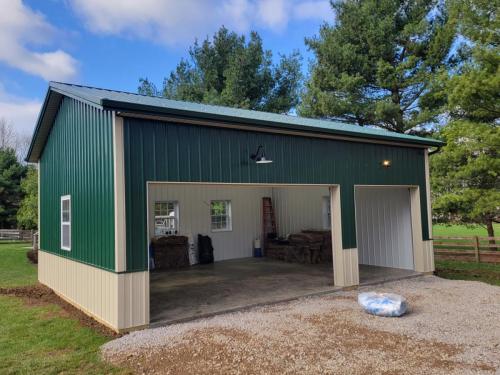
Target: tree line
(425, 67)
(18, 182)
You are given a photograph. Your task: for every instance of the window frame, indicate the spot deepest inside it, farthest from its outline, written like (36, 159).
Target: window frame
(176, 216)
(65, 223)
(229, 216)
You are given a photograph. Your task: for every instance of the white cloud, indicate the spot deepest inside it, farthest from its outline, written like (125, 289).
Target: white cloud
(21, 29)
(174, 22)
(22, 113)
(273, 13)
(319, 10)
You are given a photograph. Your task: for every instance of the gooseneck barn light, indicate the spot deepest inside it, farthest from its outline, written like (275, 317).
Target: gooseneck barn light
(260, 157)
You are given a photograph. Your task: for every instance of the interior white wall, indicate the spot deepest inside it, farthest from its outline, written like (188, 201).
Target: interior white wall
(383, 227)
(296, 208)
(299, 207)
(194, 214)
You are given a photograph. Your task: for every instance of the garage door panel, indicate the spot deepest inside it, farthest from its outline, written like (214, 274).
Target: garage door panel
(383, 225)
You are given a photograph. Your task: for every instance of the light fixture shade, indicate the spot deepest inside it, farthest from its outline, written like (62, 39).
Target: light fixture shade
(260, 159)
(263, 160)
(386, 163)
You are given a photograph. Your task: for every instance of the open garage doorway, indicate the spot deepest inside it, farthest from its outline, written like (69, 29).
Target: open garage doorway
(251, 263)
(384, 233)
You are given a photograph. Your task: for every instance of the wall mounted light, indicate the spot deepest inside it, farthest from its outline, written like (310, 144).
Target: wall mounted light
(386, 163)
(259, 157)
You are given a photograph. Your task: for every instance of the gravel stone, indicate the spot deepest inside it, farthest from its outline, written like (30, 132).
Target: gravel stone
(452, 327)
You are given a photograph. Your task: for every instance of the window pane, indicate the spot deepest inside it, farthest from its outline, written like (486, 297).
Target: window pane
(220, 218)
(166, 220)
(66, 235)
(65, 205)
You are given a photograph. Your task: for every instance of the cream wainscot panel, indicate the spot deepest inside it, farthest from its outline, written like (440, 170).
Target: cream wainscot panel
(120, 301)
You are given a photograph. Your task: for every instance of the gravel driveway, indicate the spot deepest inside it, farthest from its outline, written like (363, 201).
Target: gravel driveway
(453, 328)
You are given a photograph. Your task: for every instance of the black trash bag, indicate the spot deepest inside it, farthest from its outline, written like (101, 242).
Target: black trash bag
(205, 249)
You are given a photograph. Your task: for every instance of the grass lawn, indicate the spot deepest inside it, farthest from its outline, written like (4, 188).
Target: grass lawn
(456, 270)
(15, 270)
(462, 230)
(41, 338)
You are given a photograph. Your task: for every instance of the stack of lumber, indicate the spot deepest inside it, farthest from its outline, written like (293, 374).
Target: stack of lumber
(309, 246)
(170, 252)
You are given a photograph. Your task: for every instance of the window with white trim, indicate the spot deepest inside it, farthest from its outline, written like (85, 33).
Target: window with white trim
(66, 222)
(166, 218)
(220, 216)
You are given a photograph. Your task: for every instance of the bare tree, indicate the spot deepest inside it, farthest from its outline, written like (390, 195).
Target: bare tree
(9, 138)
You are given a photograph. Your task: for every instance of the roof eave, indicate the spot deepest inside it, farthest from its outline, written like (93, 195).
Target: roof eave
(120, 105)
(37, 128)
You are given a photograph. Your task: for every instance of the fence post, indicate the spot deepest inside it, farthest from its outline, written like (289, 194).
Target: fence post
(476, 248)
(35, 241)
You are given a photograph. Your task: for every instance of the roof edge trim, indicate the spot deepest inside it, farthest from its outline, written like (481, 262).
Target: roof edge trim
(152, 110)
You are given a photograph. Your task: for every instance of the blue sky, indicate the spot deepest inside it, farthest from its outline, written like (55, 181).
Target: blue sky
(112, 43)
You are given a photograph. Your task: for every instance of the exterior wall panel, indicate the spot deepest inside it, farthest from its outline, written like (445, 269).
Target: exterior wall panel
(383, 225)
(91, 289)
(78, 161)
(119, 301)
(162, 151)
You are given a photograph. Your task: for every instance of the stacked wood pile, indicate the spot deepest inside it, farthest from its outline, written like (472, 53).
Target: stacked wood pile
(325, 237)
(170, 252)
(309, 246)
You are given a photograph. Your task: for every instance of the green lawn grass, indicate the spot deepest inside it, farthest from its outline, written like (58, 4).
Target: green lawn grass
(462, 230)
(15, 269)
(41, 339)
(456, 270)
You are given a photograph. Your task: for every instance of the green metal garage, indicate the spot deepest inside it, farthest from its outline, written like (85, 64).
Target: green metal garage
(110, 162)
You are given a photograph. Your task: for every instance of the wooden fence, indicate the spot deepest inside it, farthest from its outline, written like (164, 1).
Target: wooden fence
(474, 248)
(16, 235)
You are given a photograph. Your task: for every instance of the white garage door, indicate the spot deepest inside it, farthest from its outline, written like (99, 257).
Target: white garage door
(383, 227)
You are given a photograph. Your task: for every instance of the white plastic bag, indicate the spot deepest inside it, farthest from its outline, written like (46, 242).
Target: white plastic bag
(383, 304)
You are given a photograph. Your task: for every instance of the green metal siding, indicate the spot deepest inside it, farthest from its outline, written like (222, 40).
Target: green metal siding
(78, 161)
(159, 151)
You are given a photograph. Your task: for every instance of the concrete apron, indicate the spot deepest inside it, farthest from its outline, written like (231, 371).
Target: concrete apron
(369, 275)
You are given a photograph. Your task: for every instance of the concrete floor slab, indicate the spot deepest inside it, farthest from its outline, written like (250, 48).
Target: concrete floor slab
(204, 290)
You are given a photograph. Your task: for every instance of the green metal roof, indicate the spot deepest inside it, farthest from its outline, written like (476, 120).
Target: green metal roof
(129, 102)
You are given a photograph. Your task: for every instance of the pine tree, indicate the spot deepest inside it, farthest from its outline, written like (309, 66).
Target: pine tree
(228, 70)
(375, 64)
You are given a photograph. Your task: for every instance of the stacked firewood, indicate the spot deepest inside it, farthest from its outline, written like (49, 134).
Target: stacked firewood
(309, 246)
(170, 252)
(325, 238)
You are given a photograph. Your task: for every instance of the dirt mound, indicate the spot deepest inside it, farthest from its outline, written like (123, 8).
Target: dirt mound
(37, 295)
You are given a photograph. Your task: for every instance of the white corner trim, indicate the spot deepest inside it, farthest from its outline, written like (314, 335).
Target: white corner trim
(428, 191)
(38, 203)
(119, 194)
